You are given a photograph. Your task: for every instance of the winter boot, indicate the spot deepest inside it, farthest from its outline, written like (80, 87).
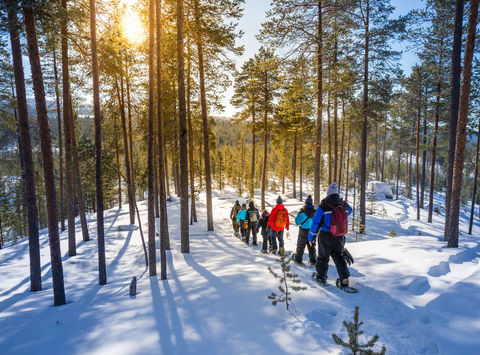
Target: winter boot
(281, 251)
(341, 283)
(263, 251)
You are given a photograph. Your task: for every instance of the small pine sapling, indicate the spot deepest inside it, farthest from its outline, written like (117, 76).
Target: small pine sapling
(288, 281)
(372, 198)
(353, 330)
(392, 233)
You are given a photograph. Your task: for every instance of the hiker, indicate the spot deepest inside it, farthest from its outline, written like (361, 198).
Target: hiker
(278, 221)
(304, 222)
(330, 224)
(263, 223)
(233, 217)
(253, 217)
(242, 220)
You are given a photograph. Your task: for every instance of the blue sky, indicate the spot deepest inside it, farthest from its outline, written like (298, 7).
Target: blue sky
(254, 15)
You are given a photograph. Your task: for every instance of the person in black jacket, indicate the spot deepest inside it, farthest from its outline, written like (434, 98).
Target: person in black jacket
(263, 224)
(304, 222)
(253, 217)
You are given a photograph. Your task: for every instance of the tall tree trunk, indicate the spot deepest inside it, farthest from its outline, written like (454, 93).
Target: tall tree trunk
(164, 236)
(294, 165)
(454, 103)
(424, 155)
(130, 130)
(252, 169)
(102, 270)
(410, 176)
(193, 210)
(348, 163)
(417, 157)
(67, 122)
(117, 154)
(398, 166)
(301, 165)
(182, 126)
(318, 131)
(60, 140)
(475, 179)
(462, 125)
(383, 149)
(206, 139)
(434, 152)
(340, 165)
(126, 155)
(167, 178)
(376, 152)
(265, 141)
(25, 147)
(47, 159)
(152, 261)
(335, 105)
(363, 152)
(329, 136)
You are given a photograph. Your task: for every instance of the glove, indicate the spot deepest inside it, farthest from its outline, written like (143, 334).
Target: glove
(348, 257)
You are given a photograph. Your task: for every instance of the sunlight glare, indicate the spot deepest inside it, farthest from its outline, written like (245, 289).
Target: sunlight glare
(132, 26)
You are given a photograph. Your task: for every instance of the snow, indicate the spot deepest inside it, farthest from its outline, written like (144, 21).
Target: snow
(417, 295)
(380, 189)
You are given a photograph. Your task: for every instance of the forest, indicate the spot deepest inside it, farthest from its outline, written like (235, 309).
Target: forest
(120, 105)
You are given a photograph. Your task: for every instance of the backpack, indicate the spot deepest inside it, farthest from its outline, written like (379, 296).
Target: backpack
(281, 220)
(339, 222)
(253, 216)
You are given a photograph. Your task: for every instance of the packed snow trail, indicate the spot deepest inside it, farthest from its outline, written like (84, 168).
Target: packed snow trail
(413, 293)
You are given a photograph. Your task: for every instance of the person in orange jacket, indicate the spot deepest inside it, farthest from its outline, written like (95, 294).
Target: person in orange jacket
(278, 221)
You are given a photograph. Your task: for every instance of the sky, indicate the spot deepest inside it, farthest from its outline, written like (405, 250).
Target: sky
(254, 15)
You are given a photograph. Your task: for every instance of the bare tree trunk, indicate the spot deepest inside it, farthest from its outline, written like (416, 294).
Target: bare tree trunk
(475, 179)
(383, 149)
(294, 165)
(424, 158)
(193, 210)
(265, 142)
(130, 130)
(167, 178)
(376, 153)
(115, 128)
(417, 158)
(121, 104)
(47, 159)
(152, 260)
(454, 103)
(348, 164)
(252, 169)
(67, 119)
(340, 165)
(329, 137)
(301, 166)
(60, 140)
(102, 270)
(363, 152)
(434, 152)
(410, 176)
(318, 131)
(206, 139)
(25, 147)
(182, 126)
(162, 163)
(462, 125)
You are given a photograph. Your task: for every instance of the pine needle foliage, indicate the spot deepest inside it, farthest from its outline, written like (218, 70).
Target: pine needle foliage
(288, 282)
(354, 332)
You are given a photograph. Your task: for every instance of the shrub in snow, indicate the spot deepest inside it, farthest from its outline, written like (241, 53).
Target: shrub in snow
(392, 233)
(288, 281)
(353, 331)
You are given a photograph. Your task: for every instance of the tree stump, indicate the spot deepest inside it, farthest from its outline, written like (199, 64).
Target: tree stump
(133, 286)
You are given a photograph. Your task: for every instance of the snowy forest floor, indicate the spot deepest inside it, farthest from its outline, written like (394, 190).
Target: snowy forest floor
(417, 295)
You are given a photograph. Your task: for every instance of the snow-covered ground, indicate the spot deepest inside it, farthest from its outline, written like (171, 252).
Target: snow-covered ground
(417, 295)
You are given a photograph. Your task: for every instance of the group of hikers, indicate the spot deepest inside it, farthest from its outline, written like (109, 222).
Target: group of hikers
(326, 224)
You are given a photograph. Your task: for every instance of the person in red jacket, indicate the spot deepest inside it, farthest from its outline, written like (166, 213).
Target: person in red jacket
(278, 221)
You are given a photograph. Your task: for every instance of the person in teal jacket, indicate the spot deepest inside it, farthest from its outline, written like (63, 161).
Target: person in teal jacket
(242, 219)
(304, 221)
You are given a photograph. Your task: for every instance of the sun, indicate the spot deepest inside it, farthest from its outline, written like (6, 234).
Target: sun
(132, 26)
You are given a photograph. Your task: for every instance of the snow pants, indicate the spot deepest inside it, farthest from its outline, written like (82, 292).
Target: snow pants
(236, 227)
(273, 238)
(252, 227)
(302, 241)
(331, 245)
(243, 230)
(266, 240)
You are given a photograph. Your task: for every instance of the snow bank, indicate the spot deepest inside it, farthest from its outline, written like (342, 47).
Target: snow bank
(381, 190)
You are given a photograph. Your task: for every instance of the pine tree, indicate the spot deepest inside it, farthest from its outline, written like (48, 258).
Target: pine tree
(354, 332)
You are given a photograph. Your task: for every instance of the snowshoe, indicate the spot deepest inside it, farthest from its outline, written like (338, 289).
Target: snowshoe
(263, 251)
(320, 281)
(345, 287)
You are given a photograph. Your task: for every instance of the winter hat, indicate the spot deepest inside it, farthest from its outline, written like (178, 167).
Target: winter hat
(332, 189)
(251, 205)
(279, 200)
(237, 203)
(244, 205)
(265, 213)
(309, 200)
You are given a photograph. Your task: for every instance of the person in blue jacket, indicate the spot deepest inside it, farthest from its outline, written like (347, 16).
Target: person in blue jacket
(242, 219)
(304, 221)
(328, 244)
